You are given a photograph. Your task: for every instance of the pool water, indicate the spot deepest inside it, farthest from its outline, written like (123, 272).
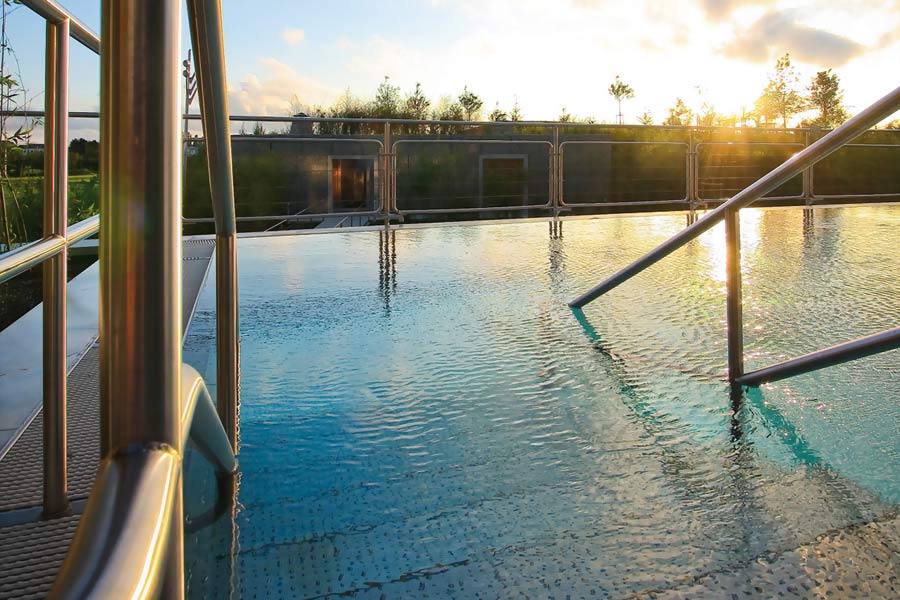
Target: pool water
(424, 417)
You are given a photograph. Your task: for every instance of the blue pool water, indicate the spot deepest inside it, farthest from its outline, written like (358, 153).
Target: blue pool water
(423, 417)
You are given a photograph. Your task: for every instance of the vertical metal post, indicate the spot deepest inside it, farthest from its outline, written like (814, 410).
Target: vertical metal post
(387, 202)
(56, 136)
(556, 173)
(807, 177)
(734, 299)
(205, 18)
(692, 176)
(140, 237)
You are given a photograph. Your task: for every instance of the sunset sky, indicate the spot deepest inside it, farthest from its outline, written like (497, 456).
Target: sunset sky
(547, 53)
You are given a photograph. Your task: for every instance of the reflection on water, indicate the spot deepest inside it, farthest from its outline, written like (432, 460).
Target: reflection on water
(387, 266)
(463, 434)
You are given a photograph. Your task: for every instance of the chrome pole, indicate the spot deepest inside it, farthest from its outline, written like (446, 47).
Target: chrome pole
(556, 174)
(56, 102)
(841, 353)
(734, 294)
(205, 17)
(693, 176)
(388, 171)
(807, 176)
(140, 238)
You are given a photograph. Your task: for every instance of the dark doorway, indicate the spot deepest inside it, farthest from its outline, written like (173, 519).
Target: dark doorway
(352, 184)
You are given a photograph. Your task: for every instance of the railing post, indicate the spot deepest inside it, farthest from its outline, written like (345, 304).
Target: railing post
(734, 294)
(807, 176)
(386, 201)
(556, 173)
(205, 18)
(56, 115)
(693, 184)
(140, 239)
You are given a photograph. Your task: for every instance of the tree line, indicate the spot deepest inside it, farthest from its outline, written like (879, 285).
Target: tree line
(782, 99)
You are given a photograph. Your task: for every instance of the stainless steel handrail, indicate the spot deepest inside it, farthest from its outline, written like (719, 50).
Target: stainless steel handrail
(120, 546)
(28, 256)
(31, 255)
(54, 13)
(729, 213)
(205, 17)
(791, 167)
(200, 422)
(853, 350)
(129, 543)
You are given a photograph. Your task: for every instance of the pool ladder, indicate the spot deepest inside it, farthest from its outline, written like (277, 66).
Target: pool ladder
(729, 212)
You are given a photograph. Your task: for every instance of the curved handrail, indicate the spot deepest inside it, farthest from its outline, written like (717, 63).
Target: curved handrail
(120, 545)
(55, 13)
(200, 423)
(791, 167)
(119, 549)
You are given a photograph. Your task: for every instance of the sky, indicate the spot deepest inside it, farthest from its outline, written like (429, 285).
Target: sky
(545, 54)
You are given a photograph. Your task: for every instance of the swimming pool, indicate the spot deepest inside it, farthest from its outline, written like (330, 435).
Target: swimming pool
(423, 417)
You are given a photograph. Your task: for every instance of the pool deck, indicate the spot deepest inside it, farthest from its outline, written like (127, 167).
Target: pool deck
(33, 549)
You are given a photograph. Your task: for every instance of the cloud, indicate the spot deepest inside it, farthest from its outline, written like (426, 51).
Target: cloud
(292, 35)
(718, 10)
(781, 32)
(271, 92)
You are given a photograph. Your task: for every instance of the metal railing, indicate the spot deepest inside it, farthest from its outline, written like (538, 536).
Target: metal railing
(729, 213)
(51, 250)
(654, 173)
(129, 542)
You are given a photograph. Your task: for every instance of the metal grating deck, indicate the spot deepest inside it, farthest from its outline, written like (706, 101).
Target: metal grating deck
(32, 550)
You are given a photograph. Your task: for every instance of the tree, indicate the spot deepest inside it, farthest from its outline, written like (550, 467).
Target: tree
(781, 97)
(826, 96)
(895, 124)
(471, 104)
(498, 114)
(707, 116)
(387, 100)
(516, 113)
(726, 120)
(646, 118)
(447, 109)
(417, 103)
(679, 114)
(564, 116)
(620, 91)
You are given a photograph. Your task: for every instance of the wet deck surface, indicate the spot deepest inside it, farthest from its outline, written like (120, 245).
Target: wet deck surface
(33, 549)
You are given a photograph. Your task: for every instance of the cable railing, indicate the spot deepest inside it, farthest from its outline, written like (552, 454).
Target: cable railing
(129, 541)
(729, 213)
